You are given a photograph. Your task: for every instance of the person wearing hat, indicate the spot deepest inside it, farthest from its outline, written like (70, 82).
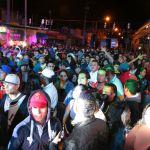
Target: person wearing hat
(13, 108)
(48, 86)
(5, 69)
(125, 73)
(112, 78)
(39, 129)
(40, 65)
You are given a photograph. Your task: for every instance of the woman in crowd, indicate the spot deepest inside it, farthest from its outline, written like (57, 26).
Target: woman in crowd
(63, 85)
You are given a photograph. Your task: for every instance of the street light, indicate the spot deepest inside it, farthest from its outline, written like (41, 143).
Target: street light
(107, 18)
(116, 29)
(119, 33)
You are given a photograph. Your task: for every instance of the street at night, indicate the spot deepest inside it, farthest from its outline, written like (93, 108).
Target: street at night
(74, 75)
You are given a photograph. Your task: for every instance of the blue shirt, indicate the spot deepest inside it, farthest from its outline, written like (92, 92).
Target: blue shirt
(118, 85)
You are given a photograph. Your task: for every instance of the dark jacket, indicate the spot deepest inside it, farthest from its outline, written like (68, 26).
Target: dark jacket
(113, 111)
(21, 136)
(134, 106)
(21, 114)
(26, 134)
(89, 135)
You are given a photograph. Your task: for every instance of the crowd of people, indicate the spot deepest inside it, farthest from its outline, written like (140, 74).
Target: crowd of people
(56, 97)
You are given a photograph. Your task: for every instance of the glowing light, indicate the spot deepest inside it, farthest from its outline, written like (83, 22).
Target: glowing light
(23, 43)
(119, 33)
(107, 18)
(3, 29)
(147, 27)
(11, 43)
(139, 47)
(116, 29)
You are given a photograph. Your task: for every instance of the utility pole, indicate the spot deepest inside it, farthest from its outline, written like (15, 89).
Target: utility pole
(86, 9)
(12, 10)
(25, 24)
(50, 19)
(8, 12)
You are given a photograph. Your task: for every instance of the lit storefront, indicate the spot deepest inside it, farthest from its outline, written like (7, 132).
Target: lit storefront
(141, 39)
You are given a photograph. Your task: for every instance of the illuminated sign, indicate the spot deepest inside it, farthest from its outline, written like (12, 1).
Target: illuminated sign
(17, 43)
(3, 29)
(114, 43)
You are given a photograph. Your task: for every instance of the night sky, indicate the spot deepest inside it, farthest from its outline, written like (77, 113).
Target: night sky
(137, 11)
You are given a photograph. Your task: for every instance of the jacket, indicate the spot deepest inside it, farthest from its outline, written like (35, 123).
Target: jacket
(21, 114)
(134, 105)
(91, 134)
(29, 135)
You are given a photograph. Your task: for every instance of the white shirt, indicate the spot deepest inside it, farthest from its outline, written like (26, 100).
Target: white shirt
(51, 90)
(93, 76)
(100, 115)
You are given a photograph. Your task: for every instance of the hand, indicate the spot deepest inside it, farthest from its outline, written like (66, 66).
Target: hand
(140, 56)
(57, 139)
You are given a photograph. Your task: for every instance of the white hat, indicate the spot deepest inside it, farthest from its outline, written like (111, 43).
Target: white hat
(47, 72)
(12, 78)
(72, 55)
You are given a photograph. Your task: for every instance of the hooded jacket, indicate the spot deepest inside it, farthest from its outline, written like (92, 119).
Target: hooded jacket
(21, 114)
(28, 136)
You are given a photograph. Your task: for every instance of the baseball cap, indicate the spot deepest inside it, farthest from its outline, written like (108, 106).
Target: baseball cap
(109, 68)
(6, 69)
(124, 67)
(38, 100)
(12, 78)
(47, 72)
